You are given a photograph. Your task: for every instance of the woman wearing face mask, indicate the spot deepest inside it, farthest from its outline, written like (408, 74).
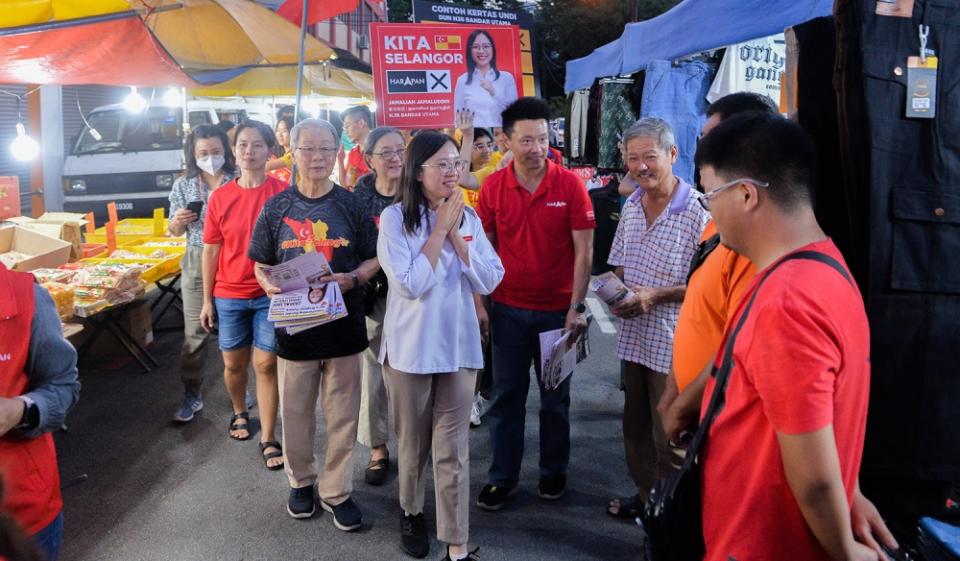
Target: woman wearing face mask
(209, 164)
(230, 288)
(436, 256)
(383, 151)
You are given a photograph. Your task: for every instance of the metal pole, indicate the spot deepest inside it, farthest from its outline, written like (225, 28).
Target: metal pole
(303, 48)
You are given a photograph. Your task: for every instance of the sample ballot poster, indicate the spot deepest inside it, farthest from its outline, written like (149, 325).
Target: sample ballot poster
(424, 73)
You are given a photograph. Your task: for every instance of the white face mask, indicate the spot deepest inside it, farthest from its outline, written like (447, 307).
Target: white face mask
(210, 164)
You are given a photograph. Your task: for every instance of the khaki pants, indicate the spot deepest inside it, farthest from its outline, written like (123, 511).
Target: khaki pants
(193, 353)
(433, 411)
(372, 430)
(649, 454)
(336, 382)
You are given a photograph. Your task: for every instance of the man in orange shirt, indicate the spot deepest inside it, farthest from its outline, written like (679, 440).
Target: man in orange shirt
(357, 123)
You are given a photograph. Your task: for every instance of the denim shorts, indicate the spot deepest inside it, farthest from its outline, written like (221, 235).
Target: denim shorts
(243, 321)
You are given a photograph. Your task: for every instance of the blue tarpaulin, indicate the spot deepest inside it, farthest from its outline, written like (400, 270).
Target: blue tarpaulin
(690, 27)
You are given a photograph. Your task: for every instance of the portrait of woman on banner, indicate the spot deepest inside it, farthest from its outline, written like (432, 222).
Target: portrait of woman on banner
(483, 88)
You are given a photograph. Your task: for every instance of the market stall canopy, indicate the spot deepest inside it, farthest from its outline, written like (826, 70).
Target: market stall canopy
(690, 27)
(325, 79)
(221, 34)
(103, 49)
(17, 13)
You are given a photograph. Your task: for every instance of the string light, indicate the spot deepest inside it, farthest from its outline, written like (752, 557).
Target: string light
(134, 102)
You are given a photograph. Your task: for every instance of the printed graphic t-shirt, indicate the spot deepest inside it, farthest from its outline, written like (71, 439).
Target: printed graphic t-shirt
(336, 225)
(231, 212)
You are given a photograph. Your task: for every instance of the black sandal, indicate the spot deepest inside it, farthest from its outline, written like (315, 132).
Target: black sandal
(267, 456)
(630, 507)
(235, 426)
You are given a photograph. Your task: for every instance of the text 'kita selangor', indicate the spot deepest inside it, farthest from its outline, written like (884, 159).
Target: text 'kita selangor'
(418, 49)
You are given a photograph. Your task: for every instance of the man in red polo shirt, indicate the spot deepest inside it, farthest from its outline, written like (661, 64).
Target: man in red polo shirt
(781, 461)
(38, 385)
(540, 219)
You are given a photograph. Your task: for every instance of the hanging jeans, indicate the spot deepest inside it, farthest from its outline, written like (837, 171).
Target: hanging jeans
(677, 94)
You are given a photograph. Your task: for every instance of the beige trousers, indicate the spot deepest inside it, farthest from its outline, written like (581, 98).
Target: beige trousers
(432, 412)
(336, 382)
(372, 430)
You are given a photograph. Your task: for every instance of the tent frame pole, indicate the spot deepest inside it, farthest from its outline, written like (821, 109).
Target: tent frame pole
(303, 47)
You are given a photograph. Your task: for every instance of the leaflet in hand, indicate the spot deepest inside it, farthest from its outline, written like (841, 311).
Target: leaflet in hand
(304, 302)
(559, 358)
(610, 288)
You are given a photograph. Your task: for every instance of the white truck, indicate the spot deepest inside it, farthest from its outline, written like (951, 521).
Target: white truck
(133, 158)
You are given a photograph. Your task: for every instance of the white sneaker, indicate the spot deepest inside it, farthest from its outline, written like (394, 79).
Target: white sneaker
(478, 410)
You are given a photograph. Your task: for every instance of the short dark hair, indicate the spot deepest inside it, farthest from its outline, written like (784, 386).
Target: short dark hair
(226, 125)
(265, 131)
(410, 193)
(189, 149)
(286, 110)
(360, 112)
(764, 147)
(524, 109)
(741, 102)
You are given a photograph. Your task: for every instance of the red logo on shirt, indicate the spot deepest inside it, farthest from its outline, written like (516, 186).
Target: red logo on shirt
(468, 238)
(589, 215)
(312, 236)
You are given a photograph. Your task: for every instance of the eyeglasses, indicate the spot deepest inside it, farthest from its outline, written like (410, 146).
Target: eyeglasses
(707, 197)
(448, 166)
(324, 151)
(390, 154)
(483, 146)
(482, 47)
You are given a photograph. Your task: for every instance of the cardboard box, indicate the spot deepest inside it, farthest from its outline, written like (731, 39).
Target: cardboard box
(67, 226)
(9, 196)
(44, 251)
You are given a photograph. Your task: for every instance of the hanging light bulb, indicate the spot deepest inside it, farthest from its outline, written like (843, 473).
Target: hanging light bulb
(134, 102)
(373, 107)
(173, 98)
(23, 147)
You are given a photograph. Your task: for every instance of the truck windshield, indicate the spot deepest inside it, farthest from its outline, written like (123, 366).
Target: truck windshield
(157, 128)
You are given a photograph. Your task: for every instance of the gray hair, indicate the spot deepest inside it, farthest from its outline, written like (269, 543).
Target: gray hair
(313, 124)
(651, 127)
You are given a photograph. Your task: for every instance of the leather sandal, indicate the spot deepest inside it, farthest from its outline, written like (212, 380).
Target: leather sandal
(235, 426)
(267, 456)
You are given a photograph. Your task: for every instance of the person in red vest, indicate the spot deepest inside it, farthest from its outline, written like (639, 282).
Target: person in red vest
(38, 385)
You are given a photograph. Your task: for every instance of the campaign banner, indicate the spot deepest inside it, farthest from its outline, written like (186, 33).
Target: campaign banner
(423, 74)
(433, 12)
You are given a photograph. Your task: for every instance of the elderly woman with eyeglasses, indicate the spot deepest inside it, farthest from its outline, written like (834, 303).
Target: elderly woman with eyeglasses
(315, 214)
(436, 256)
(383, 152)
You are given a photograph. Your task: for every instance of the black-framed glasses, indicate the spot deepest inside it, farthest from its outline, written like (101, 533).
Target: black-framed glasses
(390, 154)
(707, 197)
(448, 166)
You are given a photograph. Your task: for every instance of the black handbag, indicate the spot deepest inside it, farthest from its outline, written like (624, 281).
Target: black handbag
(671, 516)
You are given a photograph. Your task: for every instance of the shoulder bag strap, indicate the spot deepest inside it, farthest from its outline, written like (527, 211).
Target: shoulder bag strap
(722, 374)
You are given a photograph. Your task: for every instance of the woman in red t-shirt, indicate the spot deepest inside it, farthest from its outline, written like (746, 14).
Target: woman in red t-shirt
(230, 287)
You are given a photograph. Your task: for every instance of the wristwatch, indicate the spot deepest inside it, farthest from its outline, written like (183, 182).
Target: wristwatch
(579, 307)
(31, 415)
(355, 277)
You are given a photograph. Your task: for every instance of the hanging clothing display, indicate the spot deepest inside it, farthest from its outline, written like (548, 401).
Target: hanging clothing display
(577, 123)
(617, 113)
(676, 94)
(753, 66)
(901, 178)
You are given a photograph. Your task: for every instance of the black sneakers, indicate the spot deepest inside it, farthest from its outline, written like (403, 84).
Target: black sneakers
(346, 515)
(300, 504)
(493, 497)
(552, 487)
(413, 536)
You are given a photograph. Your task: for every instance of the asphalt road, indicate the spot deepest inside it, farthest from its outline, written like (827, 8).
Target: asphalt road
(157, 491)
